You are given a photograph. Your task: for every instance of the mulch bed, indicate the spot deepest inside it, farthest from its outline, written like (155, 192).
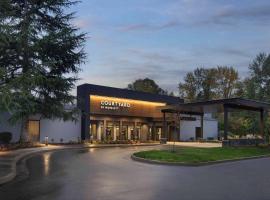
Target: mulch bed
(14, 146)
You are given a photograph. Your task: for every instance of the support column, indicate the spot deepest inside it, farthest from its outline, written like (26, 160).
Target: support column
(135, 131)
(262, 123)
(120, 130)
(114, 131)
(129, 132)
(85, 128)
(104, 130)
(202, 115)
(164, 128)
(154, 132)
(175, 135)
(99, 130)
(179, 126)
(83, 102)
(225, 122)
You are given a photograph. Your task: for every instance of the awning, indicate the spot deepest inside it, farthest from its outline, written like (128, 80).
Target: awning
(214, 106)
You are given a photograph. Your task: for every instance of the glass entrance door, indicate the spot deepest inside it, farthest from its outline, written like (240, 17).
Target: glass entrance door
(124, 132)
(109, 131)
(158, 133)
(138, 132)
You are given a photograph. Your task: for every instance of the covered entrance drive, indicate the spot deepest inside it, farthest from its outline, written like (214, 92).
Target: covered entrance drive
(215, 106)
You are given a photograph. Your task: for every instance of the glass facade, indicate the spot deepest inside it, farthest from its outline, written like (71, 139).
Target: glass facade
(112, 130)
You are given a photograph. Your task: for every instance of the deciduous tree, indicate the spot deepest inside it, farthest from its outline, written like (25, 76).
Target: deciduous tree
(210, 83)
(147, 85)
(258, 82)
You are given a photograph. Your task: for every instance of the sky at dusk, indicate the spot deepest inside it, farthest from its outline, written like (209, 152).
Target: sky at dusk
(165, 39)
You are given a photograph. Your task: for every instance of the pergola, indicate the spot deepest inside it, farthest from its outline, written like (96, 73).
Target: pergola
(217, 106)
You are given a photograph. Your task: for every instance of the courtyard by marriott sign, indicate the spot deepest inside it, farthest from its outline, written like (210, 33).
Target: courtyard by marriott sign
(113, 105)
(124, 107)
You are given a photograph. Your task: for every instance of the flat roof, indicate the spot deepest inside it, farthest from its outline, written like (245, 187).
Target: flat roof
(212, 106)
(85, 90)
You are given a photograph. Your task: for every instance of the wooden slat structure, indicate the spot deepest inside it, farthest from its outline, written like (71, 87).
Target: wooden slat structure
(219, 106)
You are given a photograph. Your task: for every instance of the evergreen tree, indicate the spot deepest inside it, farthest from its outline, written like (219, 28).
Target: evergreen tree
(40, 55)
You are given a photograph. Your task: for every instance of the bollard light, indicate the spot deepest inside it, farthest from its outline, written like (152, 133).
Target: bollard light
(46, 140)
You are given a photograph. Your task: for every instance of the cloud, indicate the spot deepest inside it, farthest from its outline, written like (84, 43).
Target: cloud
(81, 23)
(134, 27)
(159, 57)
(163, 67)
(250, 12)
(232, 15)
(236, 52)
(149, 27)
(193, 14)
(193, 34)
(167, 67)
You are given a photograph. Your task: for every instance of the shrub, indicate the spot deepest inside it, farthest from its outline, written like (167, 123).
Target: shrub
(262, 145)
(5, 137)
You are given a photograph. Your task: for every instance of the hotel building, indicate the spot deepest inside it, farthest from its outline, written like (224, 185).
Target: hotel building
(108, 113)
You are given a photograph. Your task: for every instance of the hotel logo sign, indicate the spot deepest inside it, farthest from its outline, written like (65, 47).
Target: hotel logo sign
(113, 105)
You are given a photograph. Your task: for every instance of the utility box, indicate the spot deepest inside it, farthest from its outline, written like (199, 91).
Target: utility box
(163, 140)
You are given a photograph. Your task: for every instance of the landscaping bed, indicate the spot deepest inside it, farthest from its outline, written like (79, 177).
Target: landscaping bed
(191, 155)
(123, 142)
(14, 146)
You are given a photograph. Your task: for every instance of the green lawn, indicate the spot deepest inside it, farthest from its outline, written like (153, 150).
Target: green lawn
(197, 155)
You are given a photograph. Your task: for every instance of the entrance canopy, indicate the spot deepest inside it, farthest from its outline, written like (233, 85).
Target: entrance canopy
(220, 106)
(216, 106)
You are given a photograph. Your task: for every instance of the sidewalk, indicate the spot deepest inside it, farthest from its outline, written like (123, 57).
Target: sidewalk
(9, 159)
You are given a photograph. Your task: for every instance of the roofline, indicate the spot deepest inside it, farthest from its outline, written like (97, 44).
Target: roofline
(224, 100)
(125, 89)
(234, 103)
(125, 93)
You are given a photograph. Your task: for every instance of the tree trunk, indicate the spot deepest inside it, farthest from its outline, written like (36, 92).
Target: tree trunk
(23, 131)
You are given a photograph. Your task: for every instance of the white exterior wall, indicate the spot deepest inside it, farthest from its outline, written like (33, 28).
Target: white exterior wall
(56, 129)
(71, 131)
(15, 129)
(210, 129)
(188, 128)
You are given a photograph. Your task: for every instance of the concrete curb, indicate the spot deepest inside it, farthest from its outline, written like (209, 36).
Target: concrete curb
(10, 176)
(156, 162)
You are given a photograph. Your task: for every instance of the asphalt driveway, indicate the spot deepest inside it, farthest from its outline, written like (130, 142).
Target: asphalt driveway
(109, 173)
